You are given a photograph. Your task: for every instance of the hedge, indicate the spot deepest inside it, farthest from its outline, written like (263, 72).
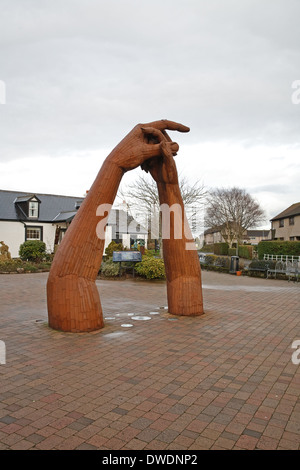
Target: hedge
(221, 249)
(245, 251)
(216, 261)
(278, 247)
(207, 249)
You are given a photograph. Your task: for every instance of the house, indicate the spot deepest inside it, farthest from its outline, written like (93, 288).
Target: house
(286, 225)
(211, 236)
(252, 237)
(46, 217)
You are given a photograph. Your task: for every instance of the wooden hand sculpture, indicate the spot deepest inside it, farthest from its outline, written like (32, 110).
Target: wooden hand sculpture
(183, 272)
(72, 296)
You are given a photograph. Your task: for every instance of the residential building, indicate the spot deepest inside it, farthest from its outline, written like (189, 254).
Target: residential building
(211, 236)
(252, 237)
(286, 225)
(46, 217)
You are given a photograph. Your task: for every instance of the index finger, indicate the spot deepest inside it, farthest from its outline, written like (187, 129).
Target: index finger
(164, 124)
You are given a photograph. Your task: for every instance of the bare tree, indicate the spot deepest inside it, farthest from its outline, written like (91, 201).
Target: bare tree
(233, 211)
(142, 198)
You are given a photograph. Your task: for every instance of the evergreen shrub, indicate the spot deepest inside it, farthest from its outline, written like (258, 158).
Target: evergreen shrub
(151, 268)
(109, 268)
(32, 250)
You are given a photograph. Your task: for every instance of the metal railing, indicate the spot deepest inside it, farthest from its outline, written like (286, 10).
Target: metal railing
(281, 258)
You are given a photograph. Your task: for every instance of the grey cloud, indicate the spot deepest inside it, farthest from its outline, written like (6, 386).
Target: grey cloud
(272, 188)
(81, 74)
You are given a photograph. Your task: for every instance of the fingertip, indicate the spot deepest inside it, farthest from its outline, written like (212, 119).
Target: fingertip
(175, 147)
(184, 128)
(175, 126)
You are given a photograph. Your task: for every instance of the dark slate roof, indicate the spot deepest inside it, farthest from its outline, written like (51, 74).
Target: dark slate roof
(258, 233)
(51, 205)
(294, 209)
(64, 216)
(213, 230)
(54, 208)
(25, 198)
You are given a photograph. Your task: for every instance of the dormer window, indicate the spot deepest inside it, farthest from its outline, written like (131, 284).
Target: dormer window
(27, 207)
(77, 204)
(33, 211)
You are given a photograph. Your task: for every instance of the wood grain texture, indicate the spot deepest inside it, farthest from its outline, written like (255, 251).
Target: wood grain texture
(72, 296)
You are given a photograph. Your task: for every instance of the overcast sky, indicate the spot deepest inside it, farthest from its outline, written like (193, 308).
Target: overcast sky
(77, 75)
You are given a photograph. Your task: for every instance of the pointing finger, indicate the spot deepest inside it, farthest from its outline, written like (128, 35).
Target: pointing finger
(164, 124)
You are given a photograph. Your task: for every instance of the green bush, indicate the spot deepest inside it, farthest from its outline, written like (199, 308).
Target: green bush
(113, 246)
(222, 261)
(32, 250)
(261, 264)
(278, 247)
(150, 253)
(17, 265)
(221, 249)
(31, 268)
(10, 266)
(245, 251)
(110, 269)
(151, 268)
(231, 251)
(210, 260)
(216, 263)
(207, 249)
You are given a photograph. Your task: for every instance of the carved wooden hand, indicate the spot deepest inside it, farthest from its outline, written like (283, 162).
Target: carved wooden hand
(183, 271)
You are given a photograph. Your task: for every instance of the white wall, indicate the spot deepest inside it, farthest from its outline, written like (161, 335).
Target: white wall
(48, 236)
(13, 235)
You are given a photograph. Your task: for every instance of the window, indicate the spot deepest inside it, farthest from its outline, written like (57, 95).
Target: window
(33, 209)
(291, 221)
(281, 223)
(33, 233)
(292, 239)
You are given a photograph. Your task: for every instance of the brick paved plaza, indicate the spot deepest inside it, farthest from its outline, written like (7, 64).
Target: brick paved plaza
(224, 380)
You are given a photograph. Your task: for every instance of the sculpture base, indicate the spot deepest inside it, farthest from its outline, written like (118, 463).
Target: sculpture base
(73, 304)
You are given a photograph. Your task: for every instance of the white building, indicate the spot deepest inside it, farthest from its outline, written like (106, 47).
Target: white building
(46, 217)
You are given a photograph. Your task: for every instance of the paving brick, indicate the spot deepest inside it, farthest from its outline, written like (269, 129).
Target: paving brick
(247, 442)
(224, 380)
